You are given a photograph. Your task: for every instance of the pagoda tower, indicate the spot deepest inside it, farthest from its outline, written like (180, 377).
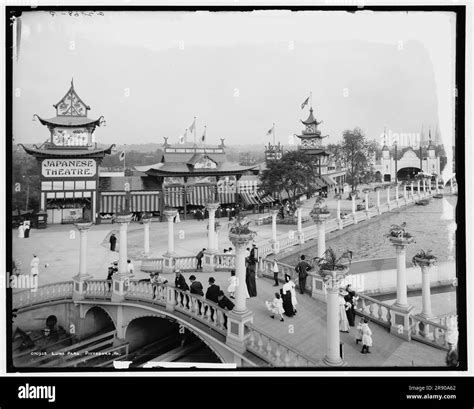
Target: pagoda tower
(69, 161)
(311, 141)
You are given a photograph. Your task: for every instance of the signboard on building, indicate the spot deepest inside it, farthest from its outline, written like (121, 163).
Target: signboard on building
(68, 168)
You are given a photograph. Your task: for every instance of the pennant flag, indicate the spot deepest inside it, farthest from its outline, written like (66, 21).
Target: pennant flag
(183, 137)
(270, 131)
(122, 155)
(191, 128)
(305, 103)
(203, 138)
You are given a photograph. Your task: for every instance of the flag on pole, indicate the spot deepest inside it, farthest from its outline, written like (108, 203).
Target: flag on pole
(191, 128)
(305, 103)
(122, 155)
(183, 137)
(203, 137)
(270, 131)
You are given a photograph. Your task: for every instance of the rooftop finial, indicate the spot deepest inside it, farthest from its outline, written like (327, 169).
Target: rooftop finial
(72, 82)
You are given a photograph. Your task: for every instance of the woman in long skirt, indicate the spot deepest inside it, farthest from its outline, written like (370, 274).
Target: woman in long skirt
(250, 281)
(290, 286)
(287, 305)
(21, 231)
(343, 321)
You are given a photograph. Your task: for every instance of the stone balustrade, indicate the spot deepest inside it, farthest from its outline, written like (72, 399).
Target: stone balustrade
(373, 309)
(186, 263)
(98, 289)
(50, 292)
(429, 332)
(275, 353)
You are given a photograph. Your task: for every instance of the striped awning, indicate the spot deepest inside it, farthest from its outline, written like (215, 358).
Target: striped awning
(320, 183)
(145, 202)
(329, 180)
(249, 198)
(199, 194)
(139, 202)
(263, 198)
(174, 196)
(225, 198)
(112, 203)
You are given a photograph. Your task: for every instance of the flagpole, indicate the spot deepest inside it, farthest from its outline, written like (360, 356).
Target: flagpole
(124, 159)
(273, 133)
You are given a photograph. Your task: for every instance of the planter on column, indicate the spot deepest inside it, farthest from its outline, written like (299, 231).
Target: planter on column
(239, 316)
(401, 310)
(121, 279)
(320, 214)
(425, 261)
(332, 280)
(80, 285)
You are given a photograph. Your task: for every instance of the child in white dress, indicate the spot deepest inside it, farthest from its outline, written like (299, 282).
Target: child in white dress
(276, 306)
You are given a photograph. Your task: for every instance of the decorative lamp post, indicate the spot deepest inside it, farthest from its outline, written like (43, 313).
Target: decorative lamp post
(146, 220)
(320, 214)
(299, 211)
(333, 271)
(425, 261)
(80, 279)
(400, 323)
(395, 144)
(338, 211)
(240, 235)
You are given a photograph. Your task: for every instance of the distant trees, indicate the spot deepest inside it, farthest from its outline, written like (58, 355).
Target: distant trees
(295, 173)
(132, 159)
(26, 173)
(357, 153)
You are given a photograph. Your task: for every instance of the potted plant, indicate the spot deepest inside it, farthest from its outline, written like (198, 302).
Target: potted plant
(398, 235)
(239, 230)
(424, 258)
(320, 211)
(330, 265)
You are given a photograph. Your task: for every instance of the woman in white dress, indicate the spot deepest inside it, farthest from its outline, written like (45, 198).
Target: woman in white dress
(233, 285)
(21, 231)
(366, 337)
(290, 286)
(276, 307)
(343, 321)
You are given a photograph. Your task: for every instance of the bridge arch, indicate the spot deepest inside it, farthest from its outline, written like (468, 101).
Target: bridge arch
(408, 172)
(180, 322)
(100, 313)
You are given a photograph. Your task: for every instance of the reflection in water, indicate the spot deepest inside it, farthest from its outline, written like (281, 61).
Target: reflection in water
(433, 227)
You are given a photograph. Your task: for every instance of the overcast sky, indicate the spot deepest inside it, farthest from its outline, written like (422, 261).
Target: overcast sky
(150, 73)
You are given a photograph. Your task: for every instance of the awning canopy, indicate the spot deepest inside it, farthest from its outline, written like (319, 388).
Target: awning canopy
(249, 198)
(198, 195)
(174, 196)
(320, 183)
(265, 198)
(225, 198)
(329, 180)
(139, 202)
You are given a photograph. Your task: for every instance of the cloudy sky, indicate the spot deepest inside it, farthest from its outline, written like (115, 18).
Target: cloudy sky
(150, 73)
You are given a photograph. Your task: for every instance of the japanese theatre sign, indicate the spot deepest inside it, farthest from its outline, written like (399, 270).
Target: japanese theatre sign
(68, 168)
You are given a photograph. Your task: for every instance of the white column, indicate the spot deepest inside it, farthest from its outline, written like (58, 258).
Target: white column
(424, 187)
(426, 291)
(367, 201)
(240, 245)
(402, 299)
(94, 206)
(353, 204)
(405, 191)
(211, 234)
(378, 198)
(388, 194)
(333, 357)
(338, 210)
(321, 238)
(146, 235)
(170, 214)
(418, 188)
(412, 191)
(123, 247)
(43, 201)
(300, 227)
(396, 193)
(274, 226)
(83, 229)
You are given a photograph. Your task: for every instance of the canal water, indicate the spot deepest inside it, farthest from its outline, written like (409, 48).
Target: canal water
(433, 227)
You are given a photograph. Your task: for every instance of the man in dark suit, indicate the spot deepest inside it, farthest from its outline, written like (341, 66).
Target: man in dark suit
(212, 294)
(224, 303)
(113, 242)
(302, 269)
(196, 288)
(180, 282)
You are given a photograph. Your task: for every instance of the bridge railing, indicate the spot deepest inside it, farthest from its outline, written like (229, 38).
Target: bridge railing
(223, 261)
(98, 289)
(373, 309)
(186, 263)
(275, 352)
(45, 293)
(429, 332)
(150, 265)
